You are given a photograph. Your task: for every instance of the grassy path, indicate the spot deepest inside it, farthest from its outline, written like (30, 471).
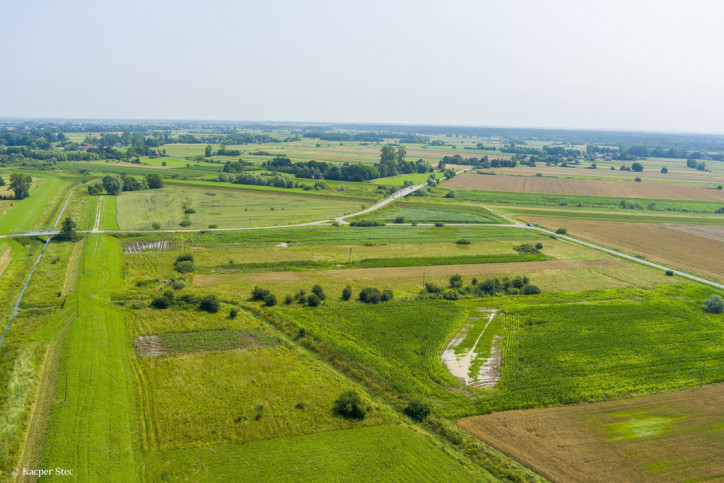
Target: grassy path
(92, 432)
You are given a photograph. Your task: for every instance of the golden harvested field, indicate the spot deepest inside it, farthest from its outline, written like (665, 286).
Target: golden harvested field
(676, 436)
(584, 187)
(667, 244)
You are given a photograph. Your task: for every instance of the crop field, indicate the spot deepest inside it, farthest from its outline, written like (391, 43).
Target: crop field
(392, 453)
(675, 436)
(177, 340)
(224, 208)
(677, 171)
(617, 342)
(682, 248)
(583, 206)
(400, 341)
(428, 212)
(585, 187)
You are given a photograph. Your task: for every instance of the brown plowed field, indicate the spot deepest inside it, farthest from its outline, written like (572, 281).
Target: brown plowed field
(659, 243)
(676, 436)
(584, 187)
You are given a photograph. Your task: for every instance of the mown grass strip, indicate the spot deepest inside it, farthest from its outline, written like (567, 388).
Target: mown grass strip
(304, 265)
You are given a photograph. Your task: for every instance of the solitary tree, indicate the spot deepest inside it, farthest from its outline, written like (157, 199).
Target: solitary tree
(638, 167)
(67, 229)
(207, 151)
(113, 184)
(2, 181)
(154, 181)
(664, 170)
(20, 184)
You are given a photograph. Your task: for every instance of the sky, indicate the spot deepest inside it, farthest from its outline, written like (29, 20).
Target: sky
(619, 65)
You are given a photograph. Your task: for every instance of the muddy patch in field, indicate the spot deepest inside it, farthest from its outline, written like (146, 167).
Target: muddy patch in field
(459, 362)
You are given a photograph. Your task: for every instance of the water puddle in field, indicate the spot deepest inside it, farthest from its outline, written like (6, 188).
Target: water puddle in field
(458, 364)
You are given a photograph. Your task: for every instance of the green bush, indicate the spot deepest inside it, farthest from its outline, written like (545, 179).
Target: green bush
(439, 224)
(451, 194)
(530, 290)
(347, 293)
(210, 303)
(270, 300)
(400, 219)
(313, 300)
(386, 295)
(417, 410)
(463, 241)
(370, 295)
(319, 292)
(561, 231)
(349, 406)
(178, 284)
(233, 313)
(160, 303)
(258, 293)
(185, 267)
(714, 304)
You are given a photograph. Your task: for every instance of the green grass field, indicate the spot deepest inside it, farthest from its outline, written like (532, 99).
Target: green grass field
(38, 210)
(430, 213)
(93, 431)
(224, 208)
(381, 453)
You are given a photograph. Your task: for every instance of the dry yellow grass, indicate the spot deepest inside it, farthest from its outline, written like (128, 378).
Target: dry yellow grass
(5, 259)
(660, 243)
(677, 436)
(584, 187)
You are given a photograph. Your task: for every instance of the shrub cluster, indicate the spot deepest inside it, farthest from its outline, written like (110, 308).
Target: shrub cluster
(366, 223)
(184, 263)
(487, 288)
(371, 295)
(209, 303)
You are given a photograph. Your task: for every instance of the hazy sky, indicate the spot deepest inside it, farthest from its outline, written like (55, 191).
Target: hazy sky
(645, 65)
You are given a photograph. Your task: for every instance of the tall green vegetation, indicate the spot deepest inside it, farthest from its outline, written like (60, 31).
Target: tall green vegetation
(112, 184)
(20, 183)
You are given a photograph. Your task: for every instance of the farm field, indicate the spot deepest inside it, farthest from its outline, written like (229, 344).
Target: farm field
(585, 187)
(430, 213)
(681, 247)
(677, 171)
(674, 436)
(194, 354)
(617, 342)
(224, 208)
(391, 453)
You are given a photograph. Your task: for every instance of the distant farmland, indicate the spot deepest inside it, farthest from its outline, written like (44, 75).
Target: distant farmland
(584, 187)
(694, 248)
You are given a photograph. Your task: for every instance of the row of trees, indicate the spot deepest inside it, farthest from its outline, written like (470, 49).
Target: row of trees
(487, 288)
(114, 184)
